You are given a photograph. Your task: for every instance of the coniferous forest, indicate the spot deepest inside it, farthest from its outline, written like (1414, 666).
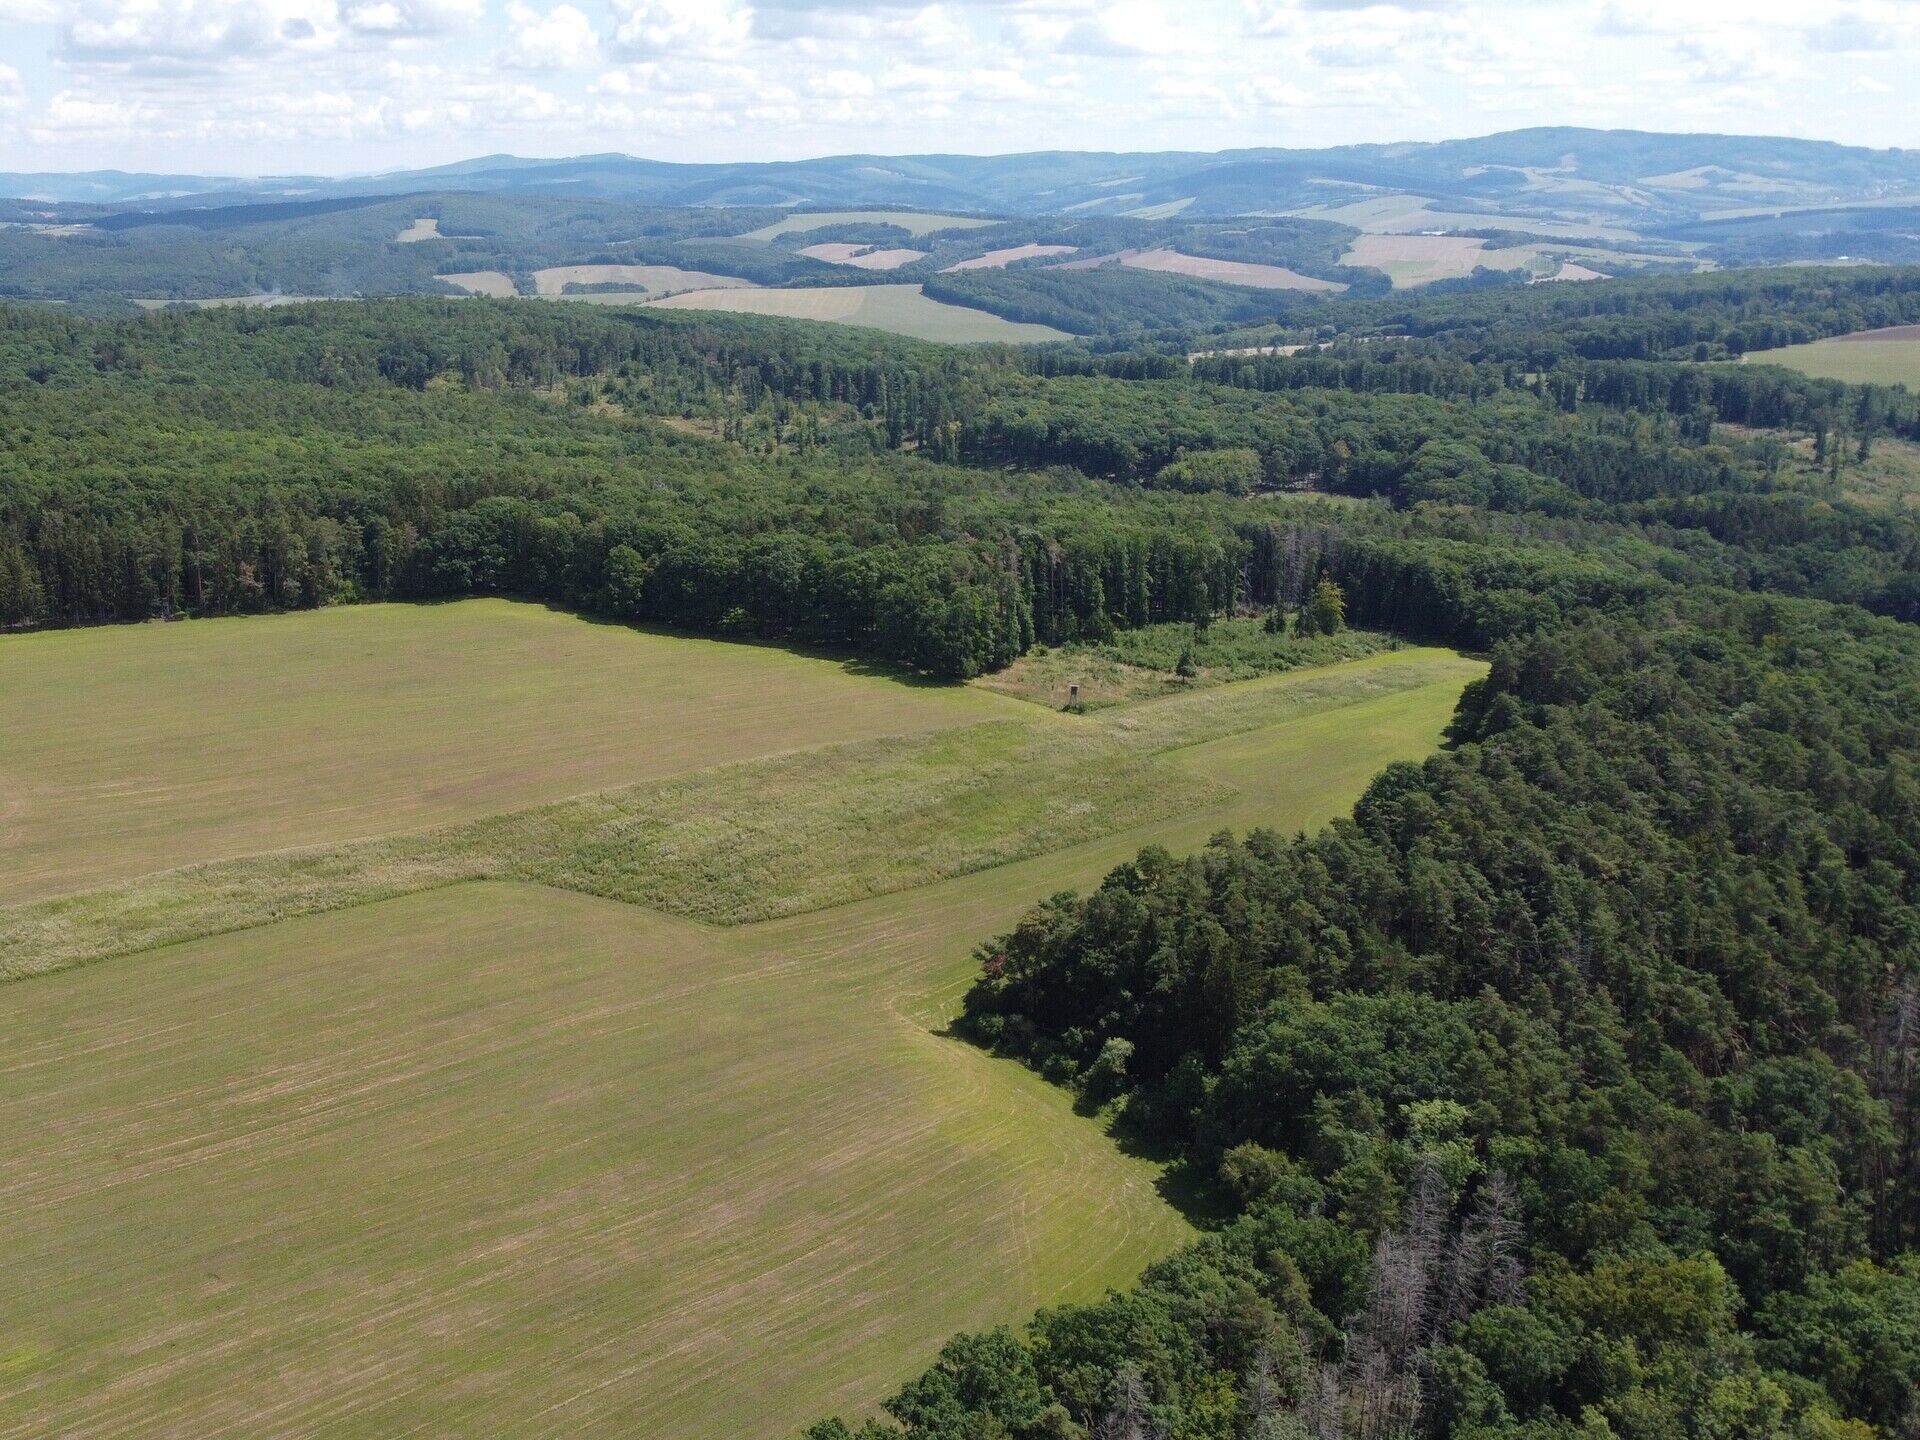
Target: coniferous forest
(1569, 1088)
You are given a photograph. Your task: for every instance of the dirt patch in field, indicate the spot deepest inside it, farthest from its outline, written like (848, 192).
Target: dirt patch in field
(1890, 332)
(1000, 259)
(864, 257)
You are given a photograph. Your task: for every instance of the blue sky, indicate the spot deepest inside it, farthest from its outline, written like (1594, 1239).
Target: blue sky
(336, 86)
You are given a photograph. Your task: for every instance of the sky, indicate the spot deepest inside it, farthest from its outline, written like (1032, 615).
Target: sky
(276, 87)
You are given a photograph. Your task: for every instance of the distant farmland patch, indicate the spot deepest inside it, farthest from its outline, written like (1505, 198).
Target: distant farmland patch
(899, 308)
(911, 221)
(1227, 272)
(426, 227)
(654, 279)
(244, 301)
(1000, 259)
(1396, 213)
(1870, 357)
(482, 282)
(866, 257)
(1421, 259)
(1881, 336)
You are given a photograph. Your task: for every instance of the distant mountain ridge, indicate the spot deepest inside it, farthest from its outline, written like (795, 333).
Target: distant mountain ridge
(1563, 174)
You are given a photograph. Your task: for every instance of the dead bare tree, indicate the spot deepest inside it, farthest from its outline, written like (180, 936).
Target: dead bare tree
(1129, 1413)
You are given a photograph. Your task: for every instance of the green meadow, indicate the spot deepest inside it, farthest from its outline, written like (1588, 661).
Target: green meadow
(1857, 360)
(594, 1084)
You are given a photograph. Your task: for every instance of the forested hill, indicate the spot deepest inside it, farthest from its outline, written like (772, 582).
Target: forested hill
(1567, 1089)
(1643, 174)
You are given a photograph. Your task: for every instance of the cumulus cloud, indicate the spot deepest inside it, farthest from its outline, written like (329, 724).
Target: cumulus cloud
(689, 27)
(185, 83)
(561, 39)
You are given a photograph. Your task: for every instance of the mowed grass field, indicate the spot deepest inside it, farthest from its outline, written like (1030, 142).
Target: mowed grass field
(902, 309)
(1858, 360)
(504, 1158)
(141, 748)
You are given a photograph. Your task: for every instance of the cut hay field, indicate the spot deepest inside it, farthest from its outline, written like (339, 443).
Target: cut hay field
(654, 279)
(1869, 358)
(1227, 272)
(141, 748)
(899, 308)
(497, 1157)
(492, 283)
(1000, 259)
(1421, 259)
(914, 222)
(1397, 214)
(862, 257)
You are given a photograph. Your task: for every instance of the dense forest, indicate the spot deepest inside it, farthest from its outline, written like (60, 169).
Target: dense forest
(1567, 1089)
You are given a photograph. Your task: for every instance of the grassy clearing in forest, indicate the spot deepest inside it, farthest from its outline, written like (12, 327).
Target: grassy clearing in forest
(495, 1158)
(1856, 359)
(1140, 664)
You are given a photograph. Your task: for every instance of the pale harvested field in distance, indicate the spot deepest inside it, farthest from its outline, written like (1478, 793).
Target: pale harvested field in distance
(482, 282)
(655, 279)
(139, 748)
(264, 302)
(1421, 259)
(899, 308)
(425, 228)
(911, 221)
(1000, 259)
(1399, 214)
(498, 1159)
(1573, 270)
(864, 257)
(1228, 272)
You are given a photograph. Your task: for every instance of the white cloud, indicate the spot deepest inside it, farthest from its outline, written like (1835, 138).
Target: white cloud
(224, 85)
(694, 27)
(409, 19)
(561, 39)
